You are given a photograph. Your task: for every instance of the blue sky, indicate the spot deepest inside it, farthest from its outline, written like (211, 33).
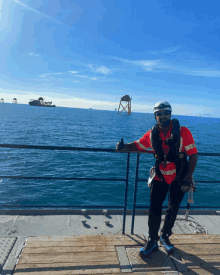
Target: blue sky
(90, 53)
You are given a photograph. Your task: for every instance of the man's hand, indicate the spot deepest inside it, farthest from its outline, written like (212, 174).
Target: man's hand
(120, 145)
(185, 184)
(187, 180)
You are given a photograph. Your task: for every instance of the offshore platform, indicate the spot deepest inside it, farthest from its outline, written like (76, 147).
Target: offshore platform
(127, 107)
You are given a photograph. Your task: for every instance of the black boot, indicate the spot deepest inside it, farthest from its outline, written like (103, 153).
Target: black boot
(164, 240)
(151, 246)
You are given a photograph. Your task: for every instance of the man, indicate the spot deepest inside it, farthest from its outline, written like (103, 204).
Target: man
(171, 144)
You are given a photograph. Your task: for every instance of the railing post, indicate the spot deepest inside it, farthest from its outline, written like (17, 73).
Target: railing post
(126, 194)
(135, 194)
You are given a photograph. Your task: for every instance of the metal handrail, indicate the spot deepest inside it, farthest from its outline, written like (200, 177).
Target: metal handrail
(98, 150)
(201, 181)
(72, 178)
(42, 147)
(39, 147)
(57, 178)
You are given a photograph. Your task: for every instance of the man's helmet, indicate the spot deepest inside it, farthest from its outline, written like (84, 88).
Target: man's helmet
(162, 106)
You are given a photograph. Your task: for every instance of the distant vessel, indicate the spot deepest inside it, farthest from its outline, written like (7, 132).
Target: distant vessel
(40, 102)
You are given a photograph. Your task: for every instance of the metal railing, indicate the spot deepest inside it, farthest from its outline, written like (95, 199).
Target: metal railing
(124, 207)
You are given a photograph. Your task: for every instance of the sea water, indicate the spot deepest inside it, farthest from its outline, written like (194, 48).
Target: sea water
(30, 125)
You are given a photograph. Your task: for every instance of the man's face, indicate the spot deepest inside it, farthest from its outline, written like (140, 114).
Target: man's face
(163, 118)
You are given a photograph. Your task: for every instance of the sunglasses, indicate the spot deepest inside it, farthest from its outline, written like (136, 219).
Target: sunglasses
(166, 113)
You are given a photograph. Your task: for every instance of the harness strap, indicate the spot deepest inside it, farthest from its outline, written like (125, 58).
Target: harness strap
(174, 142)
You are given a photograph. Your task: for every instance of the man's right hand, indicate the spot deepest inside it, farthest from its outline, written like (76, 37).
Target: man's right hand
(120, 145)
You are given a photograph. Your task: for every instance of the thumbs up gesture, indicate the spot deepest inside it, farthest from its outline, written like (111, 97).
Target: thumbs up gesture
(120, 145)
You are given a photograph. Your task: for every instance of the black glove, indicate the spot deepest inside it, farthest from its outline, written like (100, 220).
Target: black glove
(185, 185)
(120, 145)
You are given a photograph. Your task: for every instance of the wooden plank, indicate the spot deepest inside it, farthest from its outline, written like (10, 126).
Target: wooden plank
(204, 261)
(68, 257)
(192, 238)
(86, 240)
(83, 243)
(89, 237)
(67, 249)
(65, 269)
(85, 264)
(201, 271)
(198, 249)
(136, 237)
(64, 272)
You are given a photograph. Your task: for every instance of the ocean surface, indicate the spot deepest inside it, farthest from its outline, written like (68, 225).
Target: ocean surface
(30, 125)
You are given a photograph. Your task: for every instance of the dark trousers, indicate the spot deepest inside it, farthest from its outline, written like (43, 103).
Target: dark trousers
(158, 194)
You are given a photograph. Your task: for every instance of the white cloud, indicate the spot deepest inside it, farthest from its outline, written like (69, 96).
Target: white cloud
(42, 79)
(148, 65)
(73, 72)
(205, 73)
(103, 70)
(86, 76)
(160, 65)
(43, 75)
(49, 75)
(166, 50)
(75, 81)
(170, 50)
(34, 54)
(100, 69)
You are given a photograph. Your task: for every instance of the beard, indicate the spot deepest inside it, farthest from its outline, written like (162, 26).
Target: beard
(166, 123)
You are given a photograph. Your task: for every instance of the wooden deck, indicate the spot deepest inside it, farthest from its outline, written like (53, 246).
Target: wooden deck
(92, 254)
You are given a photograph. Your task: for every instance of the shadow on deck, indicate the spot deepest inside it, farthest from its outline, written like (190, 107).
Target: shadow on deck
(116, 254)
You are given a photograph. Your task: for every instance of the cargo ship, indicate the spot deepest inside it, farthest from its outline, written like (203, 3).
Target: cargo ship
(40, 102)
